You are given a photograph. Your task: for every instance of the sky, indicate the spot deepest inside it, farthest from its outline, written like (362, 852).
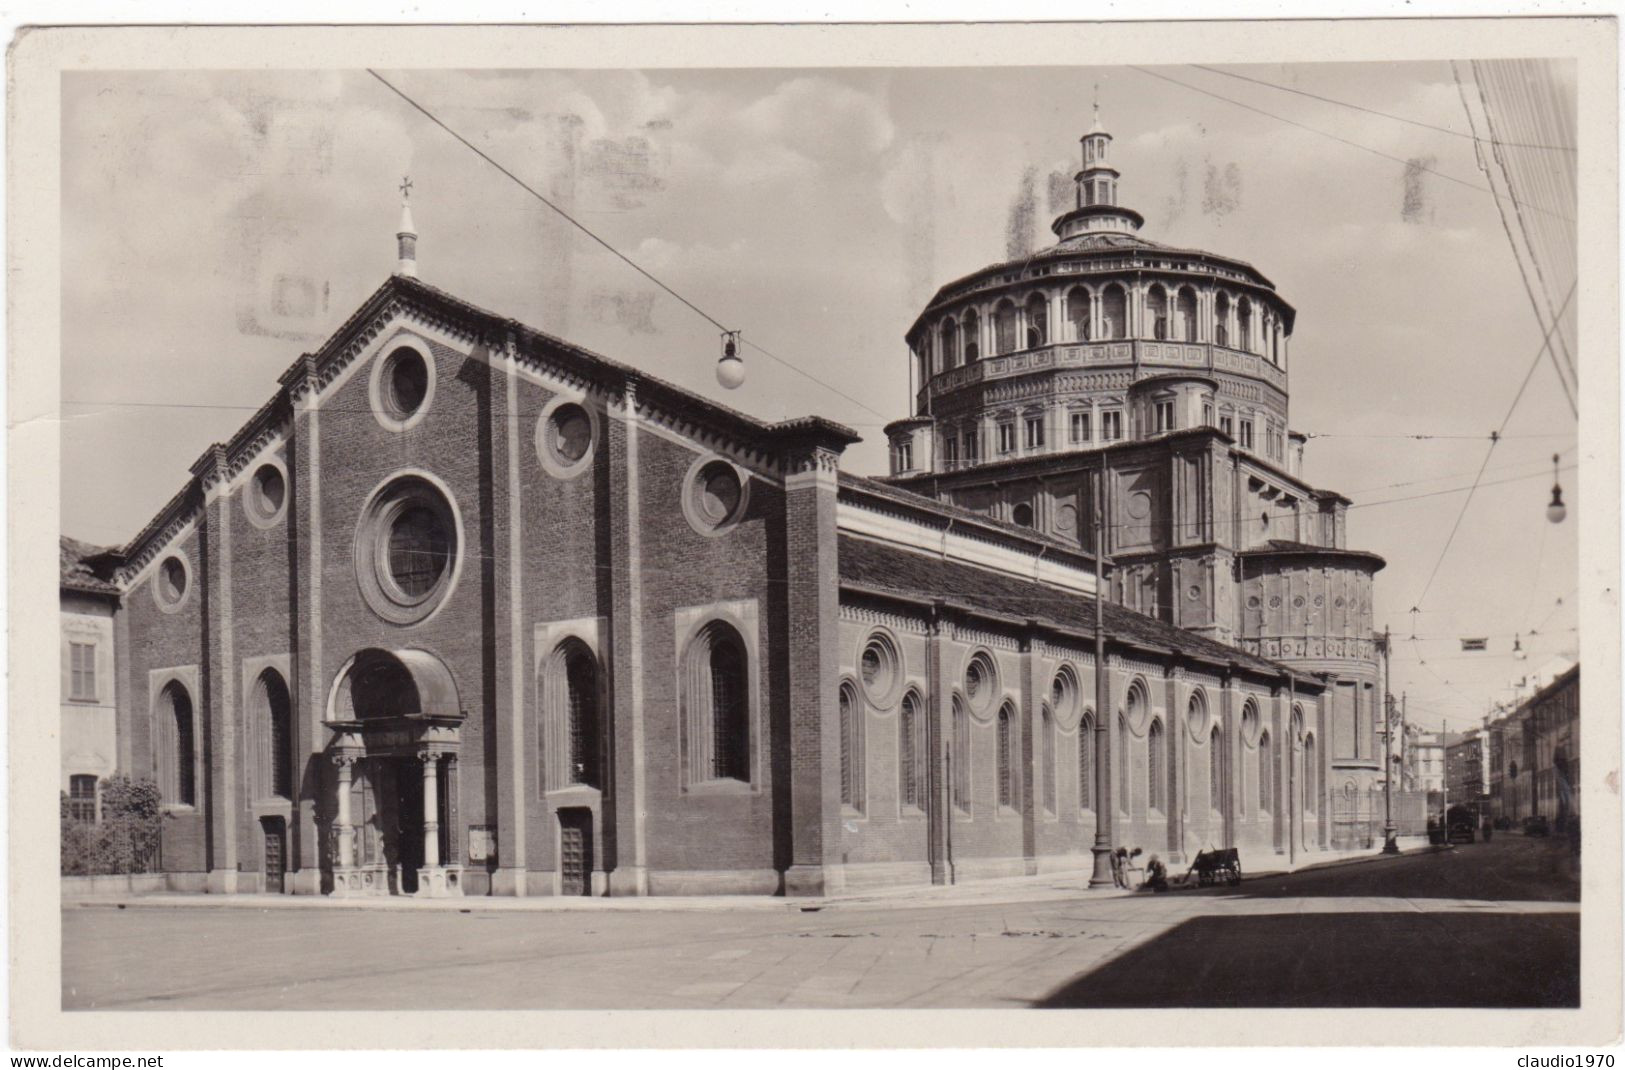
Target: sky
(218, 224)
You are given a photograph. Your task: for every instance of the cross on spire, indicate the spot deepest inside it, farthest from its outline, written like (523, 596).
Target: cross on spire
(406, 187)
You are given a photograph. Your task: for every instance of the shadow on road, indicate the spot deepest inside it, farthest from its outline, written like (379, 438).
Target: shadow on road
(1376, 959)
(1519, 871)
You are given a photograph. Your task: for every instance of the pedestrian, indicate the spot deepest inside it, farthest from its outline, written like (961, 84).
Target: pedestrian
(1120, 867)
(1156, 875)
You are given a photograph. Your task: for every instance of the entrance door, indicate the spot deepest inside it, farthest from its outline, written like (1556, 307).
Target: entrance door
(409, 817)
(575, 851)
(275, 852)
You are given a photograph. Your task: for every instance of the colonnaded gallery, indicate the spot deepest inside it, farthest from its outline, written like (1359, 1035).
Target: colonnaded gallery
(465, 609)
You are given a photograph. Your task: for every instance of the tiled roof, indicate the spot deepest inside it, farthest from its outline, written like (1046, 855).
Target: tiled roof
(876, 566)
(1287, 546)
(77, 575)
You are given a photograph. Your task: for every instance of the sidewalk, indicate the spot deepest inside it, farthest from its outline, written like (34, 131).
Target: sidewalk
(1007, 890)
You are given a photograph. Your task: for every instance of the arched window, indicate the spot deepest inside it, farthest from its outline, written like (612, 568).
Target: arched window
(1114, 312)
(970, 335)
(1221, 319)
(1186, 307)
(911, 751)
(961, 757)
(1155, 774)
(1156, 308)
(1037, 315)
(1266, 775)
(273, 743)
(1120, 763)
(1215, 770)
(1004, 327)
(948, 336)
(1310, 773)
(716, 706)
(177, 748)
(1244, 325)
(1077, 314)
(1006, 780)
(1086, 761)
(851, 748)
(1046, 760)
(572, 730)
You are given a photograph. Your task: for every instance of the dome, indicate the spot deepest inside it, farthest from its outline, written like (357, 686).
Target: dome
(1039, 354)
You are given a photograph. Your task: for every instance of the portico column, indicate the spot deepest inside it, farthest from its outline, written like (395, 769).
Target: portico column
(431, 810)
(345, 855)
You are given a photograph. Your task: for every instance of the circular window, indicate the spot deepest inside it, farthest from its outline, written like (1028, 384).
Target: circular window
(1194, 593)
(716, 496)
(1275, 601)
(1022, 515)
(1297, 602)
(1139, 505)
(407, 549)
(267, 494)
(1320, 600)
(1066, 519)
(172, 582)
(1249, 724)
(881, 671)
(407, 382)
(981, 682)
(172, 579)
(402, 386)
(565, 434)
(1252, 601)
(1339, 603)
(1063, 694)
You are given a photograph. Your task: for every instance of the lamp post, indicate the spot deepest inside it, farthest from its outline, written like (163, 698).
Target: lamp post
(1102, 876)
(1390, 840)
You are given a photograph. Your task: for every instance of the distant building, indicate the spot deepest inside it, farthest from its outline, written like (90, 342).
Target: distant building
(89, 736)
(1466, 768)
(1424, 760)
(1534, 756)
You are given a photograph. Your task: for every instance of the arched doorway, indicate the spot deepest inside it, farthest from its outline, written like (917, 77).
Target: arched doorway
(396, 726)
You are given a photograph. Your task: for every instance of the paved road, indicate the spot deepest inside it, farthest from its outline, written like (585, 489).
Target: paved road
(1484, 925)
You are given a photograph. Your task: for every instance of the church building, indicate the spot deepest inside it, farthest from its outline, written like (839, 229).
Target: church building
(465, 609)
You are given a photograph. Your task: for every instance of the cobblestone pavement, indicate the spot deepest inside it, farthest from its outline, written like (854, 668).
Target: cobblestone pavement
(1482, 925)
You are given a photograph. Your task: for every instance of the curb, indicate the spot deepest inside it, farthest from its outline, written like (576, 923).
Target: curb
(1041, 889)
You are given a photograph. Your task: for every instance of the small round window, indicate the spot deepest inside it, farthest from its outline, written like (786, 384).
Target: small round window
(716, 496)
(881, 670)
(406, 382)
(981, 682)
(407, 550)
(564, 438)
(267, 494)
(172, 582)
(402, 385)
(1023, 515)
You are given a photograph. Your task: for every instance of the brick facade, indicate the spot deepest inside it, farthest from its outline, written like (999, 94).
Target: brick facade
(613, 554)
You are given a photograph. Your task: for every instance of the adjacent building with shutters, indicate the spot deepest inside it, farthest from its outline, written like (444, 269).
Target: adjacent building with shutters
(467, 609)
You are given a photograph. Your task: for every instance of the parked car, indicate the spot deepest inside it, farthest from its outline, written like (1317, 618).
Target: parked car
(1463, 832)
(1536, 825)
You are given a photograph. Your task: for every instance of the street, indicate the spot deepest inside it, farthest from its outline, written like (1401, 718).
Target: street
(1487, 925)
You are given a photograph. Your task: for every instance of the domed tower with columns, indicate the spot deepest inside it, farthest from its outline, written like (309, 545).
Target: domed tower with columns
(1114, 383)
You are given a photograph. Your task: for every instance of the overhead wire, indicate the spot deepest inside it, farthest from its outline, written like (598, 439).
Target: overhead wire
(1519, 257)
(1494, 438)
(1321, 133)
(633, 264)
(1368, 111)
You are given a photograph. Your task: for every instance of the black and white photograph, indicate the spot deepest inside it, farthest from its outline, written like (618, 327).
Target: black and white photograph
(710, 519)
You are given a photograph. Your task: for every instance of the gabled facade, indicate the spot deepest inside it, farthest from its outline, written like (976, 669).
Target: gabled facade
(465, 609)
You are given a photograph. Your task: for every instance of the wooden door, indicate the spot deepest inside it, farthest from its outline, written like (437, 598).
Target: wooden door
(275, 853)
(575, 851)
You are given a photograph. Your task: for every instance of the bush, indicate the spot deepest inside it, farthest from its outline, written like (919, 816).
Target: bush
(125, 840)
